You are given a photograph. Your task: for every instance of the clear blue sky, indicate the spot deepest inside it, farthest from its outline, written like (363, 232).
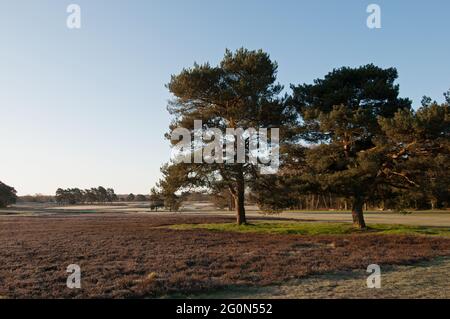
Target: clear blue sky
(82, 108)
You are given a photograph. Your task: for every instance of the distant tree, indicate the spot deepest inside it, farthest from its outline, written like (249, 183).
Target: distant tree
(111, 196)
(174, 178)
(241, 92)
(72, 196)
(223, 199)
(59, 196)
(102, 194)
(131, 197)
(8, 195)
(90, 196)
(172, 202)
(77, 196)
(37, 198)
(272, 194)
(141, 198)
(340, 120)
(156, 199)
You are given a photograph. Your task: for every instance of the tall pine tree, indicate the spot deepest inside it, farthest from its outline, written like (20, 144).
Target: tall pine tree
(340, 123)
(240, 93)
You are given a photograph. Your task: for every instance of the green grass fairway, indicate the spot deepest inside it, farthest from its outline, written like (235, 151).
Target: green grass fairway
(317, 228)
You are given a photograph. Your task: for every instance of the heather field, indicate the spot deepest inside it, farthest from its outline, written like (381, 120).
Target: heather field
(144, 255)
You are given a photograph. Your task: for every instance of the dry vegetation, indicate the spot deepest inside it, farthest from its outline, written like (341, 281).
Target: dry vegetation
(423, 280)
(136, 256)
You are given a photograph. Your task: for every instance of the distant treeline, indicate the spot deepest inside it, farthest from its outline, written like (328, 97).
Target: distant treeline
(72, 196)
(400, 201)
(77, 196)
(37, 198)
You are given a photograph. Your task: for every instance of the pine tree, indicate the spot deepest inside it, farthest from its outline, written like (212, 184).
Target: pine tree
(340, 116)
(240, 93)
(417, 153)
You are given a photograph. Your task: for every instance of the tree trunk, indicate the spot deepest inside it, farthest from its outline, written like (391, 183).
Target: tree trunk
(239, 199)
(433, 204)
(357, 213)
(230, 204)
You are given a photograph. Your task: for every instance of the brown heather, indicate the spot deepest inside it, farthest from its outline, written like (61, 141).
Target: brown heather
(134, 256)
